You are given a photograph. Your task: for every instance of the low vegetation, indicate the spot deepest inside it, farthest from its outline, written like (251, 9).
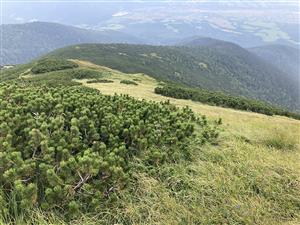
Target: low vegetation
(86, 74)
(14, 73)
(72, 149)
(99, 81)
(70, 155)
(221, 99)
(51, 79)
(52, 64)
(129, 82)
(68, 77)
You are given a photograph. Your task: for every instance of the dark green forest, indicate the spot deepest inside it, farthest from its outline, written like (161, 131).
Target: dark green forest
(221, 99)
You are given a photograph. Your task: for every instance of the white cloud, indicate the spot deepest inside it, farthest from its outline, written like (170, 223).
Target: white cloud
(33, 20)
(19, 19)
(121, 13)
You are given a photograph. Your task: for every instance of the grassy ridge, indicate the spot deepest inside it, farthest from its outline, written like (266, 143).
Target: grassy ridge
(220, 99)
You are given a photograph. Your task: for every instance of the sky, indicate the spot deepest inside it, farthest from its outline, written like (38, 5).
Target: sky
(92, 12)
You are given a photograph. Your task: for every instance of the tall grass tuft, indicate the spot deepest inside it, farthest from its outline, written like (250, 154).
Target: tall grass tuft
(280, 139)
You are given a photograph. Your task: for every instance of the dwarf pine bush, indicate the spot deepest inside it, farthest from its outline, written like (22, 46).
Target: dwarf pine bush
(129, 82)
(52, 64)
(68, 148)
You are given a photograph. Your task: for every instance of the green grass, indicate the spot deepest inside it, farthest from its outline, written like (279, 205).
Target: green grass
(281, 140)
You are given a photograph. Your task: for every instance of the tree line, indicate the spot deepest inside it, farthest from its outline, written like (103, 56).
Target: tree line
(223, 100)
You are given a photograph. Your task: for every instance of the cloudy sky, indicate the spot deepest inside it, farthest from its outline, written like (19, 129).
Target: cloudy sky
(76, 12)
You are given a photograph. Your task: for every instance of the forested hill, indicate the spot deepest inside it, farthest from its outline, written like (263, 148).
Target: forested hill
(284, 57)
(24, 42)
(206, 42)
(235, 71)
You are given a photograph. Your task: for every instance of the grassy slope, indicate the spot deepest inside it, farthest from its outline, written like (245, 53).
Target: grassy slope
(249, 177)
(242, 180)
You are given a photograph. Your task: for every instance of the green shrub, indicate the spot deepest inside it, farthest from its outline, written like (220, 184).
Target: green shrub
(52, 79)
(63, 77)
(86, 74)
(52, 64)
(99, 81)
(70, 148)
(129, 82)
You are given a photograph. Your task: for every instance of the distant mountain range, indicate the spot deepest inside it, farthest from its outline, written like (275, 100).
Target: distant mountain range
(222, 66)
(23, 42)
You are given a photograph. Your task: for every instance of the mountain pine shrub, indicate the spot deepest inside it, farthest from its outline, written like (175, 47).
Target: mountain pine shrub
(129, 82)
(52, 64)
(99, 81)
(71, 148)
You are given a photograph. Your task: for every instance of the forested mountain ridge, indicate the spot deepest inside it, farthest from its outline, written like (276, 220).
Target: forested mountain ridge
(207, 42)
(283, 57)
(23, 42)
(234, 71)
